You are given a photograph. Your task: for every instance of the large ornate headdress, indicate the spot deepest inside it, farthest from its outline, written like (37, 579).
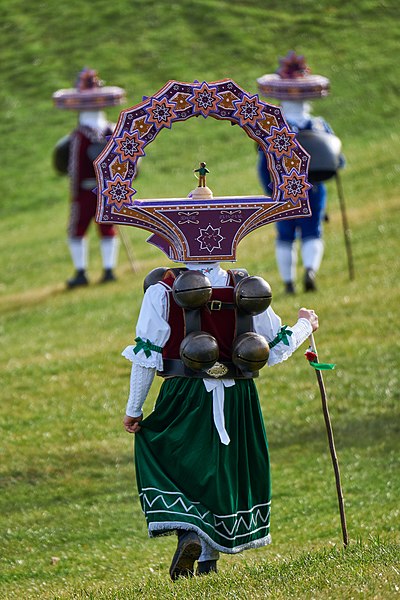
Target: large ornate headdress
(89, 93)
(205, 229)
(293, 81)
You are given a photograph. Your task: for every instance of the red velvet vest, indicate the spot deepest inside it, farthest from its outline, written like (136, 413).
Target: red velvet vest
(215, 319)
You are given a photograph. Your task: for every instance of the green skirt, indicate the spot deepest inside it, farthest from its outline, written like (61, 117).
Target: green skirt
(187, 479)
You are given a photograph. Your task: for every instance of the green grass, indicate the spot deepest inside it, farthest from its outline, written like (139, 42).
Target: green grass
(67, 487)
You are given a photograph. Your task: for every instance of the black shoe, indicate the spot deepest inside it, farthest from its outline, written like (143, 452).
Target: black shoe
(309, 281)
(206, 566)
(79, 279)
(289, 287)
(108, 275)
(187, 552)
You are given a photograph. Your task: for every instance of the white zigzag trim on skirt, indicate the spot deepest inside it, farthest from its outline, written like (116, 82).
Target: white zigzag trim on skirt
(169, 527)
(239, 521)
(177, 501)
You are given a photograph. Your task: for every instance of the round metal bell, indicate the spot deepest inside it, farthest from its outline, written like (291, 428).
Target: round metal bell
(61, 154)
(191, 289)
(199, 350)
(252, 295)
(250, 352)
(325, 153)
(154, 277)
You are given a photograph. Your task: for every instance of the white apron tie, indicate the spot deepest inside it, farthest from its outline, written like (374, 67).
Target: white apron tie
(217, 387)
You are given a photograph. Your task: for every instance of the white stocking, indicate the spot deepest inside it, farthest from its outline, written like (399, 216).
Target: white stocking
(109, 251)
(79, 249)
(286, 257)
(312, 251)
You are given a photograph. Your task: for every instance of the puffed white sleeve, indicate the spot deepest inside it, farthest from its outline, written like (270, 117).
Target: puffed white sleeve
(283, 341)
(152, 329)
(152, 332)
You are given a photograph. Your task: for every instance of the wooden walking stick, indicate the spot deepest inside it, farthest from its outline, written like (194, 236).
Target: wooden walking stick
(312, 357)
(127, 248)
(346, 228)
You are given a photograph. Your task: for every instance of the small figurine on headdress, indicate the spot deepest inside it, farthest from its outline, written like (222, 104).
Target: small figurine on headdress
(294, 85)
(74, 155)
(202, 171)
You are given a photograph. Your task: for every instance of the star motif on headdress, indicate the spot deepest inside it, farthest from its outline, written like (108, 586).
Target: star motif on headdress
(205, 99)
(118, 193)
(294, 187)
(129, 146)
(281, 141)
(161, 113)
(210, 239)
(248, 110)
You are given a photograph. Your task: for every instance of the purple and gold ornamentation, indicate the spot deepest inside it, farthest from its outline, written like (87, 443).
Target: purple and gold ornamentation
(201, 227)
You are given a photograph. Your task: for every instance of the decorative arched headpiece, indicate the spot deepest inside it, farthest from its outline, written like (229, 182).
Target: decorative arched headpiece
(186, 229)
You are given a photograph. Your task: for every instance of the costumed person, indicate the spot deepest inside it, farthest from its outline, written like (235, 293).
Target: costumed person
(74, 155)
(202, 462)
(294, 86)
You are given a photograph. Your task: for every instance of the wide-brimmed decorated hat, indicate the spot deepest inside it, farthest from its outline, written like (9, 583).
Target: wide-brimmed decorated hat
(201, 227)
(293, 81)
(89, 93)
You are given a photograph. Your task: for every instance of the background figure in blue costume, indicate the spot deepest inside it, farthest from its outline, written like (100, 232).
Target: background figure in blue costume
(293, 85)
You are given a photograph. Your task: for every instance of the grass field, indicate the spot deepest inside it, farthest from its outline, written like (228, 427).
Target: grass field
(70, 521)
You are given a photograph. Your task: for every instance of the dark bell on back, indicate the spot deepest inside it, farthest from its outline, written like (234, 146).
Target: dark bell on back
(252, 295)
(191, 289)
(324, 149)
(61, 155)
(250, 352)
(199, 350)
(154, 277)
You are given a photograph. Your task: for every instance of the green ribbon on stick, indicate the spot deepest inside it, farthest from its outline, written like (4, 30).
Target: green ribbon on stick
(312, 358)
(322, 366)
